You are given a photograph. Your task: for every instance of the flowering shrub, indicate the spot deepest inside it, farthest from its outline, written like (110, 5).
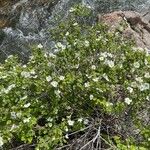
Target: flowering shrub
(93, 81)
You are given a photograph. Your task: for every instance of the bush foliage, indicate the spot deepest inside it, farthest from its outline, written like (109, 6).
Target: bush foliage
(94, 82)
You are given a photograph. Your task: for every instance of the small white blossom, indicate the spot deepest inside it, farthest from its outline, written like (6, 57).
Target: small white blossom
(54, 84)
(77, 66)
(130, 89)
(1, 141)
(27, 105)
(136, 65)
(26, 120)
(80, 119)
(147, 75)
(93, 67)
(134, 84)
(32, 72)
(86, 43)
(40, 46)
(45, 55)
(52, 55)
(66, 136)
(24, 66)
(86, 121)
(95, 79)
(139, 79)
(128, 101)
(67, 33)
(75, 24)
(10, 56)
(110, 63)
(110, 55)
(144, 86)
(13, 115)
(60, 45)
(91, 97)
(66, 129)
(70, 122)
(25, 74)
(31, 57)
(104, 54)
(108, 104)
(72, 9)
(48, 78)
(105, 77)
(61, 78)
(87, 84)
(13, 127)
(101, 58)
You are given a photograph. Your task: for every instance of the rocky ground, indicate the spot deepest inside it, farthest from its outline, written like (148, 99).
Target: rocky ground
(131, 24)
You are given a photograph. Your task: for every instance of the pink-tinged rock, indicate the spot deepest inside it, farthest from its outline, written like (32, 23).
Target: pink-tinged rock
(131, 24)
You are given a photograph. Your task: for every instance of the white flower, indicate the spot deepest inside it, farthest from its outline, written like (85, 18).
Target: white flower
(70, 122)
(26, 120)
(45, 55)
(31, 57)
(67, 33)
(147, 75)
(86, 43)
(27, 105)
(139, 79)
(18, 114)
(13, 127)
(13, 115)
(75, 24)
(24, 66)
(48, 78)
(87, 84)
(147, 98)
(134, 84)
(25, 74)
(10, 56)
(86, 121)
(130, 89)
(144, 86)
(105, 77)
(93, 67)
(108, 104)
(128, 101)
(40, 46)
(32, 72)
(66, 136)
(80, 119)
(95, 79)
(1, 141)
(110, 63)
(23, 98)
(60, 45)
(61, 78)
(57, 92)
(110, 55)
(66, 129)
(52, 55)
(77, 66)
(91, 97)
(101, 58)
(72, 9)
(136, 65)
(54, 83)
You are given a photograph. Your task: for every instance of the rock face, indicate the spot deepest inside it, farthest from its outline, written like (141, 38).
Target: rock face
(131, 24)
